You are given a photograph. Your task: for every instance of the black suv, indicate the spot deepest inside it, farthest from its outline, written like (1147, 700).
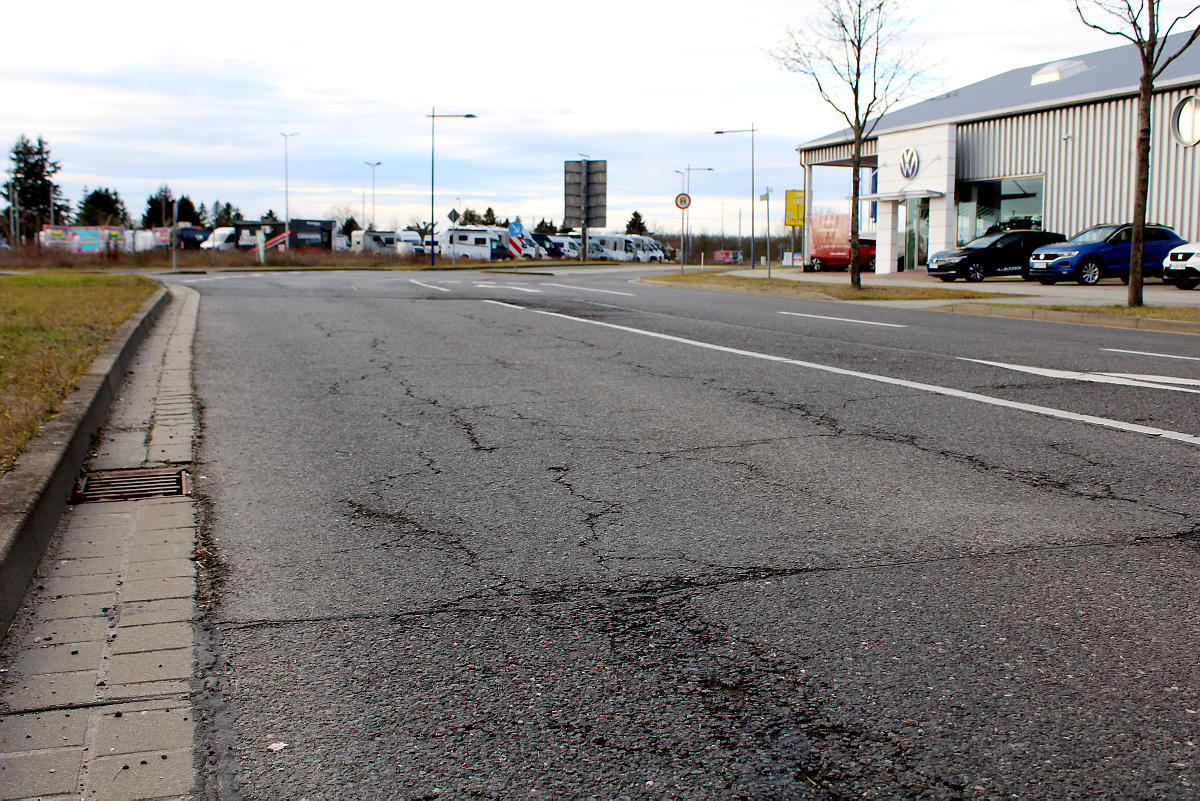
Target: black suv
(1003, 253)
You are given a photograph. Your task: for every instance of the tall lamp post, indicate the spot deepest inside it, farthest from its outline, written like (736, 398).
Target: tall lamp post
(750, 131)
(689, 170)
(433, 118)
(287, 209)
(372, 165)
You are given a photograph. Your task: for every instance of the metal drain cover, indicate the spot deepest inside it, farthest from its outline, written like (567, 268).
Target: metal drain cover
(130, 485)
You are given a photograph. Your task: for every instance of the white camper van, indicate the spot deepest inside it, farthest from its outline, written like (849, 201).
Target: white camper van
(221, 239)
(617, 247)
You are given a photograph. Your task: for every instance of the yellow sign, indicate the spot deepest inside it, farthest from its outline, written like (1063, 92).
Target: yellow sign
(793, 206)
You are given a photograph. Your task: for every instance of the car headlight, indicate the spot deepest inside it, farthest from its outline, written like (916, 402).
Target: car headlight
(1066, 254)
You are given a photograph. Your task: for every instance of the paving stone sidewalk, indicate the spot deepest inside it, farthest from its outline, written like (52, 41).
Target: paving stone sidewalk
(96, 689)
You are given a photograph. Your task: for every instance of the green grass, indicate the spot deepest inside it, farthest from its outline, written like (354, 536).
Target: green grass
(1186, 313)
(52, 325)
(718, 279)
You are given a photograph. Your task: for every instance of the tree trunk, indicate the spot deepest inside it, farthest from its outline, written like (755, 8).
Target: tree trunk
(1142, 187)
(855, 180)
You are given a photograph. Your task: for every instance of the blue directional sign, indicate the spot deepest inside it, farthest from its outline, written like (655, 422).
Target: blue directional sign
(515, 228)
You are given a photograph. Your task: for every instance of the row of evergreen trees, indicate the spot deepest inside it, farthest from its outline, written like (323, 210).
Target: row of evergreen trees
(34, 199)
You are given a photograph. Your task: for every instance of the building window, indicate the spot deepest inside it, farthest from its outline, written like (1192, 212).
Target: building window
(1186, 121)
(989, 206)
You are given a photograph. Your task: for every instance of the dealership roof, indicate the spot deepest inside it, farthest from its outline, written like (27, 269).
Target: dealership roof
(1093, 76)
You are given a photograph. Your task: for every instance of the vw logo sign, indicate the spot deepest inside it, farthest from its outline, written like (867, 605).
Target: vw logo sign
(909, 163)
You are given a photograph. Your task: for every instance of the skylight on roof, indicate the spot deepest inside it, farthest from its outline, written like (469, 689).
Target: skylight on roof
(1056, 71)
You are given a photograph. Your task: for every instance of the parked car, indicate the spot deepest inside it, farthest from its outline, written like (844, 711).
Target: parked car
(1003, 253)
(1181, 267)
(837, 257)
(1101, 251)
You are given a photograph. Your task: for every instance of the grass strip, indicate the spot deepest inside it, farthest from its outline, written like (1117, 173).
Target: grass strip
(1189, 314)
(719, 279)
(52, 325)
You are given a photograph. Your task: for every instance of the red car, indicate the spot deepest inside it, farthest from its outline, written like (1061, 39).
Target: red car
(837, 257)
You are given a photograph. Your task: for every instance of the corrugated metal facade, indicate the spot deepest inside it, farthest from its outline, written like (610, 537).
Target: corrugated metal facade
(1086, 154)
(837, 154)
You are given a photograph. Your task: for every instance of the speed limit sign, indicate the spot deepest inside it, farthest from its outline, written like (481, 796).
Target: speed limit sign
(682, 201)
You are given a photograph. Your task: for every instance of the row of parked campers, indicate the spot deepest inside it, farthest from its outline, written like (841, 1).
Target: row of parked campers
(487, 243)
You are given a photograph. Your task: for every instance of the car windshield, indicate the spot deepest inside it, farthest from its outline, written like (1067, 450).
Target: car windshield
(982, 242)
(1097, 234)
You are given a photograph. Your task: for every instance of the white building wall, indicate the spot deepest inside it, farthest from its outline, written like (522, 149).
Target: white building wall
(936, 147)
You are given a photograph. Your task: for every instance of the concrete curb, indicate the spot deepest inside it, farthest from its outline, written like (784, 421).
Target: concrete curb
(34, 494)
(1078, 318)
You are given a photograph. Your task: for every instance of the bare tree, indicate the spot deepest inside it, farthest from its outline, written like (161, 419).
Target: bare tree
(1140, 25)
(851, 50)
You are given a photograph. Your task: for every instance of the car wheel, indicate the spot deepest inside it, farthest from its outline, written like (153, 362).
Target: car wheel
(818, 265)
(1125, 280)
(1187, 283)
(947, 278)
(1025, 276)
(1089, 273)
(975, 273)
(870, 265)
(1047, 281)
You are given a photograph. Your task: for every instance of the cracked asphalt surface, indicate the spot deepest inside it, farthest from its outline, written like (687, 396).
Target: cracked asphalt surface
(470, 550)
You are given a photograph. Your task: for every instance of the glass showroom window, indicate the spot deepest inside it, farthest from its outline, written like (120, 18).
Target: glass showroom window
(989, 206)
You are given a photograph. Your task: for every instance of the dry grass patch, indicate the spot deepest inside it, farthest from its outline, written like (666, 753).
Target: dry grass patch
(719, 279)
(52, 325)
(1189, 314)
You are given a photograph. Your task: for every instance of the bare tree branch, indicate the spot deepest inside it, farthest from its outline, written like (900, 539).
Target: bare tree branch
(851, 52)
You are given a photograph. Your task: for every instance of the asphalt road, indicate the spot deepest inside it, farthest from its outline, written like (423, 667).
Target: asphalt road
(572, 536)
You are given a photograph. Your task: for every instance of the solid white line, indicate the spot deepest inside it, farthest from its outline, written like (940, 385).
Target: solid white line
(587, 289)
(429, 286)
(1144, 353)
(1098, 378)
(506, 305)
(842, 319)
(901, 382)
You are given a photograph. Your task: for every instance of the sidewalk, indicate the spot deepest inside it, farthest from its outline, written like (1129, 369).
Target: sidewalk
(98, 665)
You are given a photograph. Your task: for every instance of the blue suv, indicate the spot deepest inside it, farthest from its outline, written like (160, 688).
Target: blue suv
(1099, 252)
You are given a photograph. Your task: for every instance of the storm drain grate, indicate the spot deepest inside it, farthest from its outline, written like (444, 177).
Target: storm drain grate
(130, 485)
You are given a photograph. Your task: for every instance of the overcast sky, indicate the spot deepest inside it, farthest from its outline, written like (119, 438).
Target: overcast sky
(147, 93)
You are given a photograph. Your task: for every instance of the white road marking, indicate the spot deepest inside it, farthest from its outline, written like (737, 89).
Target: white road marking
(587, 289)
(352, 286)
(506, 305)
(1144, 353)
(842, 319)
(505, 286)
(1098, 378)
(1045, 411)
(429, 286)
(1158, 379)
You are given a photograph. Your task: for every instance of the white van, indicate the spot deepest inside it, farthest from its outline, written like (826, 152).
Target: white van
(373, 241)
(474, 242)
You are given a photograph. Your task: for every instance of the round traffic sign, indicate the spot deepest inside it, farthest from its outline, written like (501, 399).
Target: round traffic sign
(682, 201)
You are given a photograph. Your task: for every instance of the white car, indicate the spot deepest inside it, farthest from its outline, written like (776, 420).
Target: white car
(1181, 267)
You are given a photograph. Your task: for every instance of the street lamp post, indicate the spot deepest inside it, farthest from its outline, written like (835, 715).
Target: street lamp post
(750, 131)
(372, 165)
(433, 118)
(287, 209)
(690, 169)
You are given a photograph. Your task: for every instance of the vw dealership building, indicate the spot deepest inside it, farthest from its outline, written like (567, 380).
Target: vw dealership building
(1050, 146)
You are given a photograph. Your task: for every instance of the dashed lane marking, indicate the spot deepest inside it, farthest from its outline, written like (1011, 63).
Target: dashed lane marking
(1145, 353)
(588, 289)
(842, 319)
(1044, 411)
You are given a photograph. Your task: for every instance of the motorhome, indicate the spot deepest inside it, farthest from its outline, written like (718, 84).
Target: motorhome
(373, 241)
(221, 239)
(473, 242)
(618, 247)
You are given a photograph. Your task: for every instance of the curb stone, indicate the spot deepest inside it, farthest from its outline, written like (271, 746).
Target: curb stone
(34, 494)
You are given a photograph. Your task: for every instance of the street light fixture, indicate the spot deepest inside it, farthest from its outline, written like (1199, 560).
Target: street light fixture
(372, 165)
(287, 209)
(433, 118)
(750, 131)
